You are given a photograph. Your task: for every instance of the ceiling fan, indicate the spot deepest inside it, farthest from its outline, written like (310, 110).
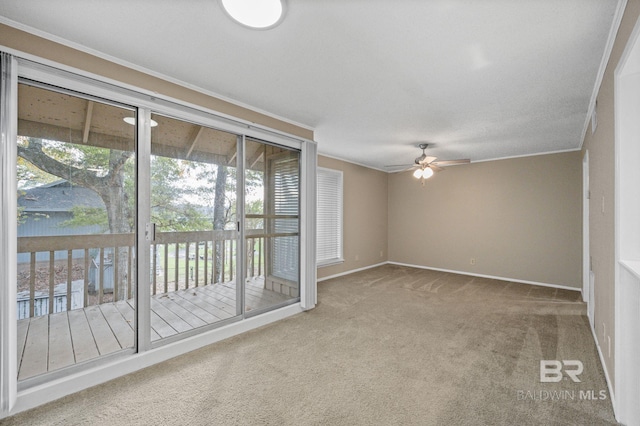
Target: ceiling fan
(426, 165)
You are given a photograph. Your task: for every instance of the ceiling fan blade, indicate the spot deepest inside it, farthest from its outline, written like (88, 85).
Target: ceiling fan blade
(404, 170)
(451, 162)
(429, 160)
(435, 168)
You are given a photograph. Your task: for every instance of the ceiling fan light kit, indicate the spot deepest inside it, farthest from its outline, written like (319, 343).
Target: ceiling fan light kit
(425, 173)
(426, 166)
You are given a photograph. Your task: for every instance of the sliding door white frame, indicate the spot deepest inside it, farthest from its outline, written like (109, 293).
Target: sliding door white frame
(8, 234)
(144, 230)
(12, 400)
(308, 269)
(241, 271)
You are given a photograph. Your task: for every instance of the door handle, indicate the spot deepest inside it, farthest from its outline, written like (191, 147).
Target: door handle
(150, 232)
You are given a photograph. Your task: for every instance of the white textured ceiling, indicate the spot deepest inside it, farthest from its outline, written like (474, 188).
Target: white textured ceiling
(476, 79)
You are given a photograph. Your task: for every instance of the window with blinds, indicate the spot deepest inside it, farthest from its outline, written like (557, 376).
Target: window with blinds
(329, 217)
(285, 183)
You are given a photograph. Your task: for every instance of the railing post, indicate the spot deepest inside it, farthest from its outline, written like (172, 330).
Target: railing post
(224, 259)
(86, 278)
(69, 278)
(260, 241)
(187, 265)
(52, 271)
(166, 267)
(214, 264)
(253, 257)
(130, 277)
(32, 284)
(206, 260)
(116, 273)
(197, 275)
(101, 276)
(154, 267)
(231, 260)
(177, 266)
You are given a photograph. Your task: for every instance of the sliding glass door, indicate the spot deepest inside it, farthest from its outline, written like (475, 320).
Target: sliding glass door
(195, 254)
(139, 226)
(76, 222)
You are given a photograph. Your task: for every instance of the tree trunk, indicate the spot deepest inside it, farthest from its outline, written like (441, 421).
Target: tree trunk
(112, 191)
(219, 220)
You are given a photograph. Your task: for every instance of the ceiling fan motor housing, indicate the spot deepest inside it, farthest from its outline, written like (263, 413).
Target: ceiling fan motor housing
(420, 159)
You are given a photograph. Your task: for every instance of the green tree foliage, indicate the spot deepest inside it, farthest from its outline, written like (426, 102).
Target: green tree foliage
(175, 205)
(183, 196)
(99, 169)
(86, 216)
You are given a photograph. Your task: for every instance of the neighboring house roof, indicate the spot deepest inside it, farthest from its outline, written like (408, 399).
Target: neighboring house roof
(59, 196)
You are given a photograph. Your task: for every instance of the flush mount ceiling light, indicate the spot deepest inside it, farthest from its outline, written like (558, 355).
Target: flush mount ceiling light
(132, 121)
(256, 14)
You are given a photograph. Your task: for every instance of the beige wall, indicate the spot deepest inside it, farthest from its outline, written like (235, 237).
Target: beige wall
(472, 211)
(601, 182)
(519, 218)
(21, 41)
(365, 216)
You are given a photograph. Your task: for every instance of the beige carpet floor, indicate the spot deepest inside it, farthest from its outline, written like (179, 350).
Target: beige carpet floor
(386, 346)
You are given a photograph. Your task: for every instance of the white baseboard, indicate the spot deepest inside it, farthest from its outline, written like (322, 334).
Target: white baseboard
(563, 287)
(514, 280)
(351, 271)
(604, 367)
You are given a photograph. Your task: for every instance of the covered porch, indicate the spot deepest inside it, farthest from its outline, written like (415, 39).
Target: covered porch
(80, 304)
(61, 339)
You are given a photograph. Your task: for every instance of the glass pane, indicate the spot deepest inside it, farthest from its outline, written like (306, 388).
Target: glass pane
(193, 204)
(76, 210)
(272, 182)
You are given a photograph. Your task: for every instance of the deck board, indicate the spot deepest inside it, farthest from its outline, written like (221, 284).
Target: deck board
(121, 328)
(169, 302)
(23, 327)
(128, 313)
(265, 294)
(177, 323)
(216, 300)
(251, 301)
(50, 342)
(60, 345)
(84, 345)
(105, 339)
(207, 304)
(36, 348)
(199, 314)
(161, 327)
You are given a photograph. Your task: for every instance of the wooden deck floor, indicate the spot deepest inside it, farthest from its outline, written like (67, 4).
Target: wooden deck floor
(50, 342)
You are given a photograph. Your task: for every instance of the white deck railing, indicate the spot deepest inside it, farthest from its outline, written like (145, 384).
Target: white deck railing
(101, 272)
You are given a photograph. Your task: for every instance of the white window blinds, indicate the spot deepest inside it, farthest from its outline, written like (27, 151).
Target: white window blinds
(329, 217)
(285, 181)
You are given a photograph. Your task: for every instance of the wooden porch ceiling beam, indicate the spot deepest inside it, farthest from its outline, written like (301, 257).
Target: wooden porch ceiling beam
(233, 153)
(87, 122)
(64, 134)
(195, 136)
(255, 158)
